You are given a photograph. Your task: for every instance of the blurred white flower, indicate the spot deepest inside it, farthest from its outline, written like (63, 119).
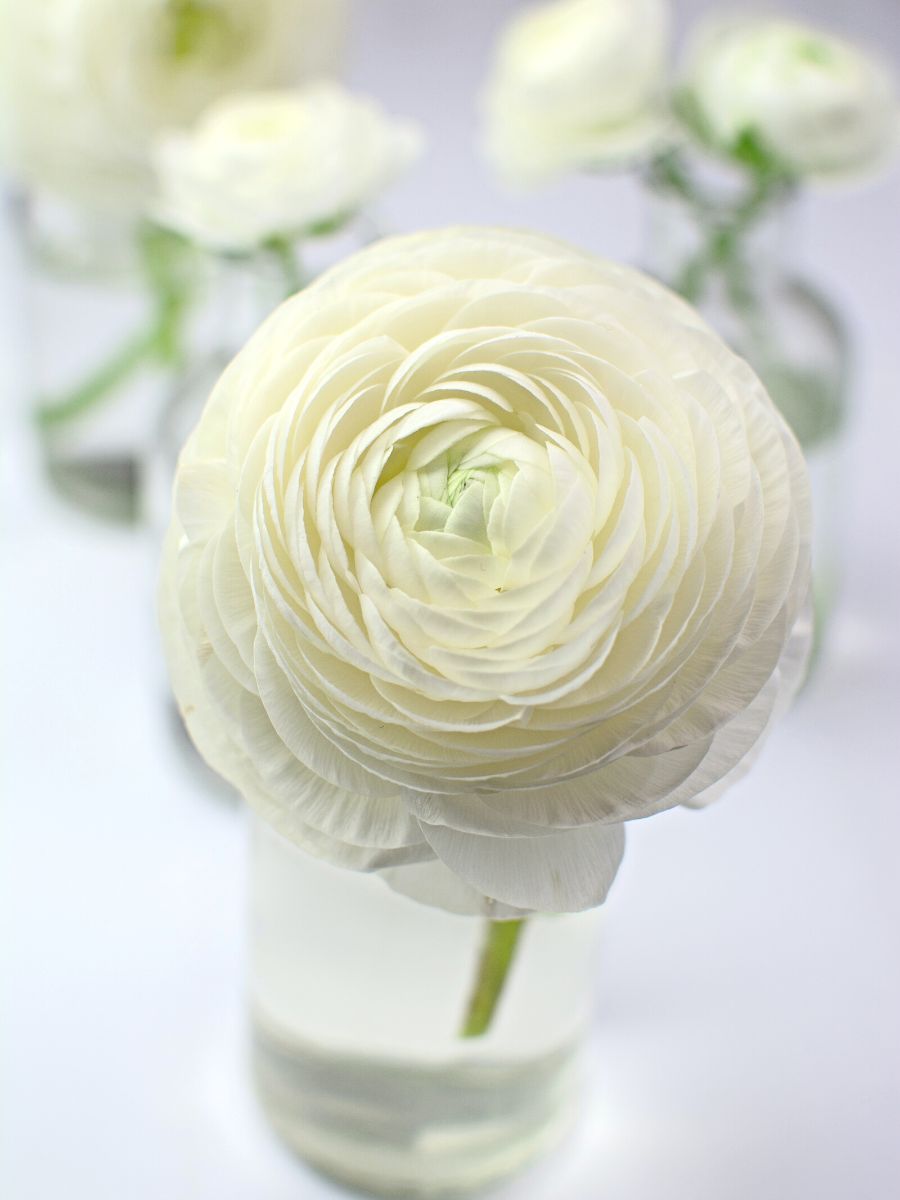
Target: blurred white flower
(89, 83)
(815, 103)
(578, 84)
(483, 546)
(277, 164)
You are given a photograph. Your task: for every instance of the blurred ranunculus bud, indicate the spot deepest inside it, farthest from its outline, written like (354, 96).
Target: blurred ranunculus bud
(90, 83)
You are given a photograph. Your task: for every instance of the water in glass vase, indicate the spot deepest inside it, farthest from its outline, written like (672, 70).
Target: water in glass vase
(359, 1001)
(104, 300)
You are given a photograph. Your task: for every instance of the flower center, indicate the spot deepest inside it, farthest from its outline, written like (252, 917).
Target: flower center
(448, 503)
(199, 29)
(457, 481)
(457, 494)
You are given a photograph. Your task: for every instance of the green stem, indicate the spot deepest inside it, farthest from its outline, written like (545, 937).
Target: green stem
(497, 953)
(160, 343)
(104, 381)
(285, 253)
(723, 248)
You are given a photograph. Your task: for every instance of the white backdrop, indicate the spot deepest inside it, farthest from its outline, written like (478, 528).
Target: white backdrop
(747, 1039)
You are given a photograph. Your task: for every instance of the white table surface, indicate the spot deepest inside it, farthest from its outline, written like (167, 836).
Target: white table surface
(747, 1038)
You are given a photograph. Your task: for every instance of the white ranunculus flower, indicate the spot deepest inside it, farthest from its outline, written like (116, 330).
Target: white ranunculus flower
(89, 83)
(482, 547)
(815, 102)
(266, 165)
(578, 84)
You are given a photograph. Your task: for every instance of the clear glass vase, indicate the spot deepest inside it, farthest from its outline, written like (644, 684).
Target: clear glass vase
(104, 302)
(359, 997)
(231, 297)
(727, 243)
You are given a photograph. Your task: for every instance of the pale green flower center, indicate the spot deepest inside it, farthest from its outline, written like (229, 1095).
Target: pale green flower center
(816, 52)
(458, 496)
(459, 478)
(199, 30)
(485, 506)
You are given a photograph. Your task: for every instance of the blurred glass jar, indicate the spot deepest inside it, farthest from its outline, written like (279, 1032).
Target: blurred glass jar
(232, 296)
(726, 243)
(358, 998)
(104, 301)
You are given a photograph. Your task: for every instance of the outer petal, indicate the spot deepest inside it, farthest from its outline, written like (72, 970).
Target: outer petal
(566, 871)
(432, 882)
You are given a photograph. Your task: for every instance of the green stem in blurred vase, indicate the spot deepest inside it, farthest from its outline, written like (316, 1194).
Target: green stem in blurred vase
(162, 262)
(497, 954)
(723, 252)
(285, 253)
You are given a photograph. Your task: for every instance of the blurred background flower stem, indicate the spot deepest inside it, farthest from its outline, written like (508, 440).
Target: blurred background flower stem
(162, 258)
(285, 253)
(727, 225)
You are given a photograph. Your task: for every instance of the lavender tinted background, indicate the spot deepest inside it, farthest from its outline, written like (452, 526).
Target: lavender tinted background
(748, 1041)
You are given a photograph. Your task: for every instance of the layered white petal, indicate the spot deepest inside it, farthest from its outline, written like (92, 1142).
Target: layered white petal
(565, 871)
